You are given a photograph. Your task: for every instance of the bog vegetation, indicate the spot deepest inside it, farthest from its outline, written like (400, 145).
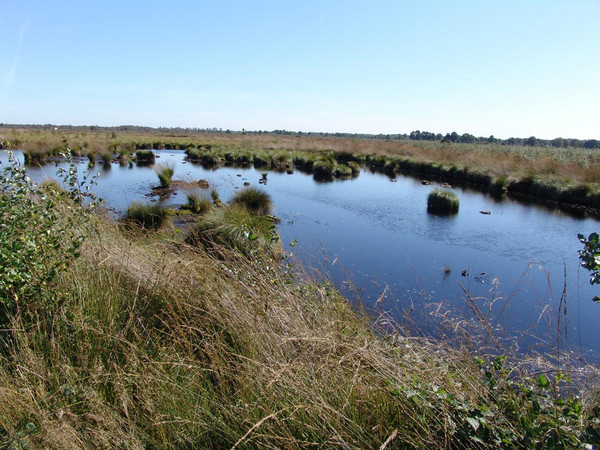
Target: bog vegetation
(442, 201)
(112, 337)
(561, 170)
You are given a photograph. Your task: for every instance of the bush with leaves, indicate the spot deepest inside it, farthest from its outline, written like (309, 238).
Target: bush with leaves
(590, 257)
(37, 241)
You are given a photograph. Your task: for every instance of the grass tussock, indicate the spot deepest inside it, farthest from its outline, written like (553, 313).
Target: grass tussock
(198, 201)
(442, 201)
(254, 200)
(238, 228)
(145, 156)
(165, 172)
(147, 215)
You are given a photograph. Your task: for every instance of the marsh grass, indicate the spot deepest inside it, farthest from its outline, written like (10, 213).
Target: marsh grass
(442, 201)
(154, 344)
(476, 164)
(141, 341)
(144, 156)
(342, 170)
(198, 201)
(324, 167)
(147, 215)
(254, 200)
(165, 172)
(237, 228)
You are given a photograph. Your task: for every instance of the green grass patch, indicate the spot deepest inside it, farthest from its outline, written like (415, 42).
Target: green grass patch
(197, 202)
(442, 201)
(237, 228)
(149, 216)
(165, 172)
(254, 200)
(144, 156)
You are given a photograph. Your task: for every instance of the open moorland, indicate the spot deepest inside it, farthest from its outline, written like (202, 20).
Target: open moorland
(569, 175)
(136, 334)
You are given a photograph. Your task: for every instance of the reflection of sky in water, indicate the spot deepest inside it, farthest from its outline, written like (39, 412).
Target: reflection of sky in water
(381, 235)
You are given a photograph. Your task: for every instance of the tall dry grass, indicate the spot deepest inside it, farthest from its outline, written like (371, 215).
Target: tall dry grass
(150, 343)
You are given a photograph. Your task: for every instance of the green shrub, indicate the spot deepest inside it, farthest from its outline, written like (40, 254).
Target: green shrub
(165, 173)
(254, 200)
(442, 201)
(37, 242)
(149, 216)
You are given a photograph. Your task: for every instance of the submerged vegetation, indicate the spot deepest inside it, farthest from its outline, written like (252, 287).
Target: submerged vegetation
(116, 339)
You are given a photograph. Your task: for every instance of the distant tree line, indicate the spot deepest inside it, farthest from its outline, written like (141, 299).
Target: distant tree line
(531, 141)
(417, 135)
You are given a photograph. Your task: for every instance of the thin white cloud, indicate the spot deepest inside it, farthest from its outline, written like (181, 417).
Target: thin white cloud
(10, 78)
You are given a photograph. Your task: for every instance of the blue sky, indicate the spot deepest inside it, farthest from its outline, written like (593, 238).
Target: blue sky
(508, 68)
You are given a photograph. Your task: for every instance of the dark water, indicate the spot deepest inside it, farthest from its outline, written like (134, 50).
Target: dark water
(375, 239)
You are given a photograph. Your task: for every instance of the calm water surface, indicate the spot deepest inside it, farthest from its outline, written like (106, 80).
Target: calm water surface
(375, 239)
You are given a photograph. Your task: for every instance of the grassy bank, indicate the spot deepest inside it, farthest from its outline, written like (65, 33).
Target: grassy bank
(137, 340)
(564, 175)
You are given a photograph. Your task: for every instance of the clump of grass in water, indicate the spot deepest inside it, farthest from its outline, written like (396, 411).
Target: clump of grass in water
(255, 200)
(442, 201)
(343, 170)
(197, 202)
(150, 216)
(165, 173)
(144, 156)
(324, 167)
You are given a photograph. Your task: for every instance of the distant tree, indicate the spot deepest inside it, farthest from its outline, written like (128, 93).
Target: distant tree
(467, 139)
(591, 143)
(530, 141)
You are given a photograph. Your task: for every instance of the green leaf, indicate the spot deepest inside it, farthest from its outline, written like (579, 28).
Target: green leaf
(543, 381)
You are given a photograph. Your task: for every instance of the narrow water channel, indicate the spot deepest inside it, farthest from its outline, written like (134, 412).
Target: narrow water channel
(376, 241)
